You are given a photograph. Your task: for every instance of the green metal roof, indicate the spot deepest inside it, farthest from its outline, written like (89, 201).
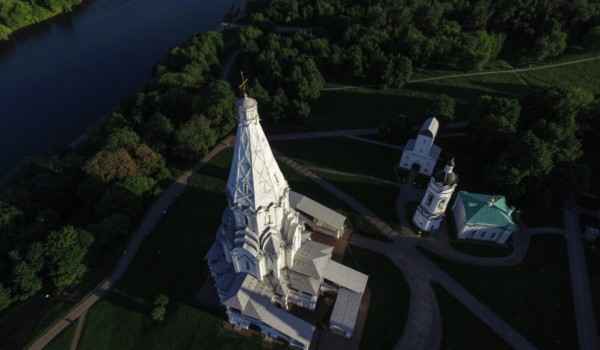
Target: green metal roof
(479, 212)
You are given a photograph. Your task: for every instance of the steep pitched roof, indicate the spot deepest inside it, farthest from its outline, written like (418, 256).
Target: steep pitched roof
(312, 258)
(479, 212)
(255, 179)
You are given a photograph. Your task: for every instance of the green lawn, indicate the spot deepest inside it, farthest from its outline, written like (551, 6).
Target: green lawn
(343, 154)
(379, 197)
(169, 261)
(303, 185)
(461, 329)
(367, 107)
(389, 299)
(534, 297)
(357, 108)
(64, 339)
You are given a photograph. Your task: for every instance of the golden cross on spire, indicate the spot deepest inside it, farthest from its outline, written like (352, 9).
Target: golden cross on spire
(244, 84)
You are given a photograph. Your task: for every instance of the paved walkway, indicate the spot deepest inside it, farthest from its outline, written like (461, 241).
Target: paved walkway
(587, 333)
(79, 330)
(423, 329)
(152, 217)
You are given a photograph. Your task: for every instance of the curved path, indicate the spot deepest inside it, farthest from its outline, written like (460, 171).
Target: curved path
(423, 328)
(152, 217)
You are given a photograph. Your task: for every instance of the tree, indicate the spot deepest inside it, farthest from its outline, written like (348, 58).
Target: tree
(551, 44)
(571, 179)
(194, 138)
(397, 71)
(591, 39)
(121, 138)
(65, 251)
(8, 216)
(150, 163)
(159, 310)
(476, 49)
(527, 159)
(5, 298)
(110, 165)
(26, 280)
(112, 226)
(442, 107)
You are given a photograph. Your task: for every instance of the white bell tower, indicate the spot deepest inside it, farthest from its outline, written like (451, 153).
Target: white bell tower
(430, 212)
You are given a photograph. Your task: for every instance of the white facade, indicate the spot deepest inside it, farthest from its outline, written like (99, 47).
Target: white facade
(483, 217)
(422, 152)
(263, 260)
(430, 212)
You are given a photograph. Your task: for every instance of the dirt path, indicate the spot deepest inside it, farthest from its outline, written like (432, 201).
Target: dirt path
(462, 75)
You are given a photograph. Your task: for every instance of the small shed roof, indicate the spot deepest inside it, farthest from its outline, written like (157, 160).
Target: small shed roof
(316, 210)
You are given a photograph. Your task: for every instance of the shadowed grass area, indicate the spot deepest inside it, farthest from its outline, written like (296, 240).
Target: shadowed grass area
(64, 339)
(367, 107)
(379, 197)
(478, 249)
(461, 329)
(170, 261)
(303, 185)
(389, 300)
(534, 297)
(344, 155)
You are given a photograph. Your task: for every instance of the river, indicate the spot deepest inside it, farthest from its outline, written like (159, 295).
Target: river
(58, 77)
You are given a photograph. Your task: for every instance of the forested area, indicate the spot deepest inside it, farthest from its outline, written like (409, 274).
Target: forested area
(533, 148)
(372, 37)
(16, 14)
(58, 218)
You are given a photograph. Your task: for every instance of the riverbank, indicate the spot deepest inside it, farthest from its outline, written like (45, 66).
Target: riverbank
(18, 14)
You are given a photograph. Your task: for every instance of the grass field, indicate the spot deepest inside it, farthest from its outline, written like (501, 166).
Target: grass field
(308, 188)
(170, 261)
(343, 154)
(461, 329)
(389, 300)
(377, 196)
(534, 297)
(370, 106)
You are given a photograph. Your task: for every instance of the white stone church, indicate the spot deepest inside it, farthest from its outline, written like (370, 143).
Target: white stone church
(263, 260)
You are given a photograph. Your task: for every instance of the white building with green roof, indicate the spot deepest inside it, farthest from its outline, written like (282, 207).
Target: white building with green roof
(483, 217)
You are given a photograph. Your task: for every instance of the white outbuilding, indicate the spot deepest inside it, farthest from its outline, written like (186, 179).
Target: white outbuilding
(422, 153)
